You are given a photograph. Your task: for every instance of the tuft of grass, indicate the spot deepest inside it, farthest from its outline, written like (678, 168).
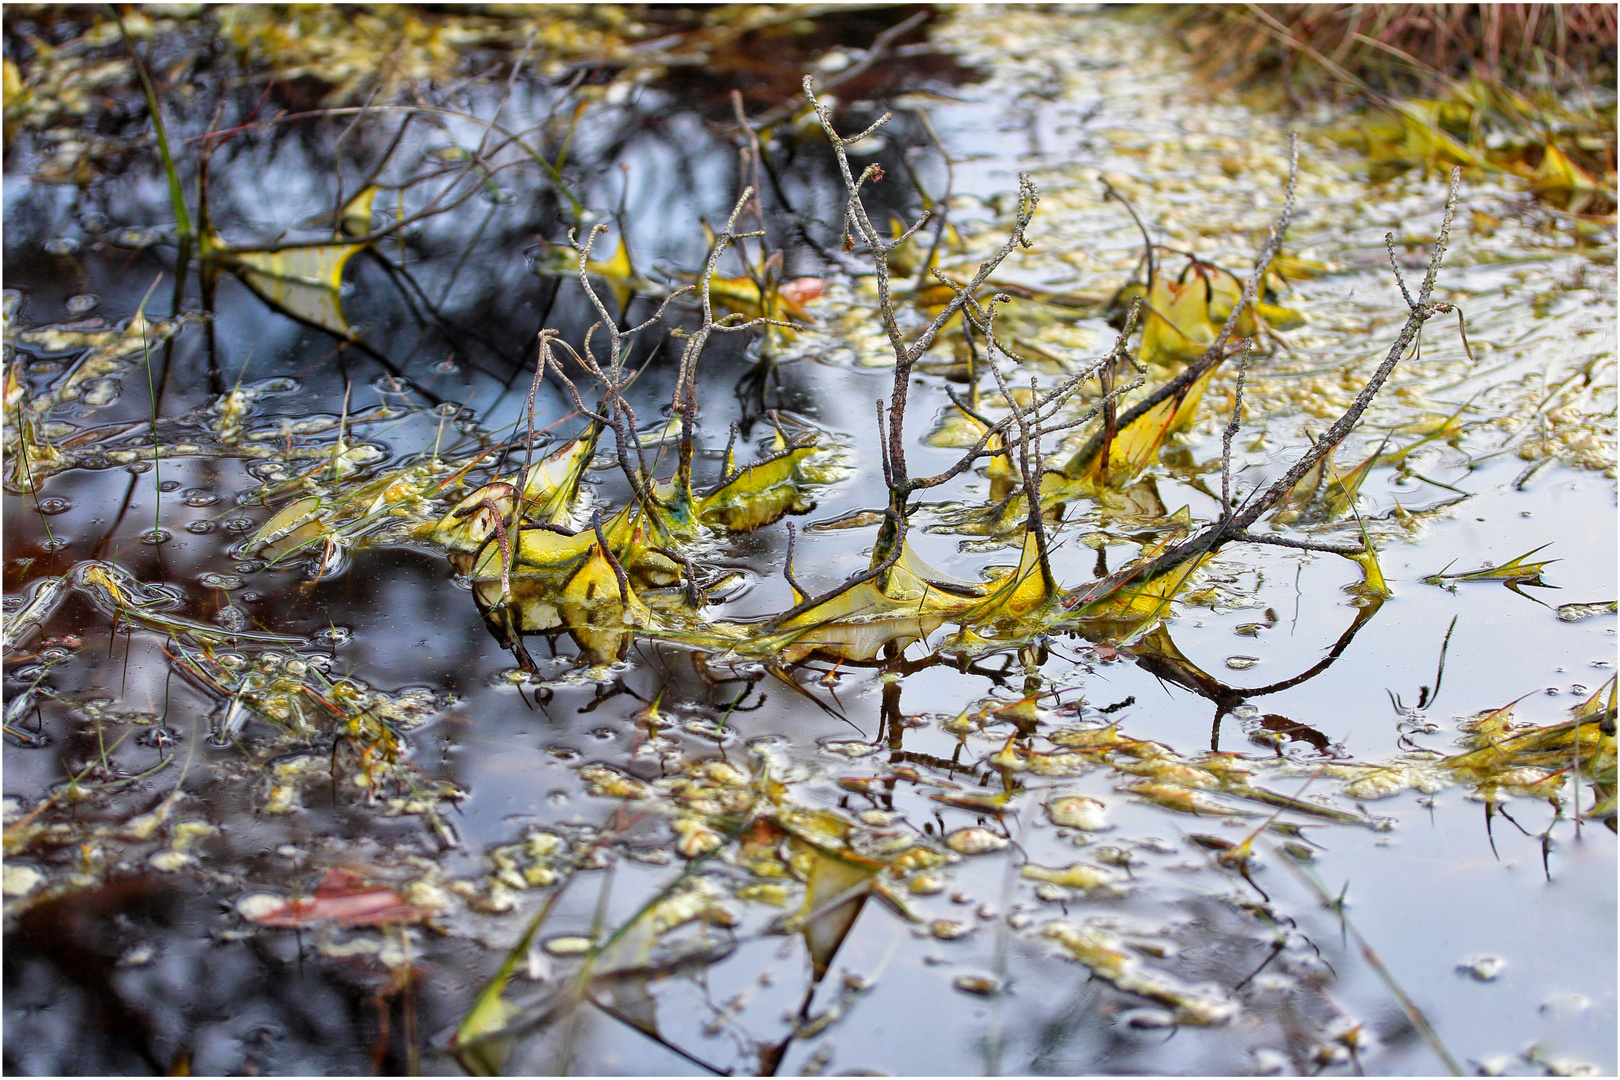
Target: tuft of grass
(1525, 89)
(1408, 50)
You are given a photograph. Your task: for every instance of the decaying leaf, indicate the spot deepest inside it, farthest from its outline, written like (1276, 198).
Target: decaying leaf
(345, 898)
(1108, 960)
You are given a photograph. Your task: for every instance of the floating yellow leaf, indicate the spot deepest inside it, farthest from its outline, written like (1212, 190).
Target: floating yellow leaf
(1517, 570)
(304, 282)
(1136, 445)
(549, 491)
(298, 523)
(759, 494)
(1372, 585)
(1177, 324)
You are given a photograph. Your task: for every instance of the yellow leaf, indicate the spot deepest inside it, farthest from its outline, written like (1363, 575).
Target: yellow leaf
(305, 282)
(1178, 324)
(1560, 180)
(548, 492)
(1018, 594)
(759, 494)
(355, 220)
(300, 522)
(826, 922)
(1343, 490)
(1517, 569)
(1136, 445)
(1373, 584)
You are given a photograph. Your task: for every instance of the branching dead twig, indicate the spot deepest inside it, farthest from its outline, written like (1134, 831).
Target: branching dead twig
(906, 353)
(1216, 351)
(1235, 526)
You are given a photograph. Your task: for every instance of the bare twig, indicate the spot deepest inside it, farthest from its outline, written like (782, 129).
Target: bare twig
(1216, 351)
(1234, 526)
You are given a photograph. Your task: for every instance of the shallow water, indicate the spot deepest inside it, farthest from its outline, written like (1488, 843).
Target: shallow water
(150, 948)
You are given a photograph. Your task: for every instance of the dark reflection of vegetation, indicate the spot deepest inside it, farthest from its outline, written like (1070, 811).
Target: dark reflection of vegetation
(1159, 655)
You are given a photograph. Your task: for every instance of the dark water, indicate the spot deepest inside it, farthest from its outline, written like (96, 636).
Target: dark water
(127, 946)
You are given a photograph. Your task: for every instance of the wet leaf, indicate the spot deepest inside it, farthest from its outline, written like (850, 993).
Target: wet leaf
(761, 493)
(1131, 604)
(596, 612)
(1345, 488)
(43, 597)
(1372, 586)
(478, 1043)
(294, 525)
(116, 592)
(304, 282)
(837, 888)
(1136, 445)
(1559, 180)
(784, 301)
(1103, 954)
(1177, 324)
(550, 491)
(345, 898)
(1413, 136)
(1517, 570)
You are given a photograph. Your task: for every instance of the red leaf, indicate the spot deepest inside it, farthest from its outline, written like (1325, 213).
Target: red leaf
(801, 289)
(345, 898)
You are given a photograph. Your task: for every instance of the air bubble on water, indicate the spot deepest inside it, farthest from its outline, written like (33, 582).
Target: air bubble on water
(61, 245)
(54, 506)
(79, 305)
(201, 528)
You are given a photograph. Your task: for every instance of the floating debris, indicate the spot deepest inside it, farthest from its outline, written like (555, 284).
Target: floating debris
(975, 841)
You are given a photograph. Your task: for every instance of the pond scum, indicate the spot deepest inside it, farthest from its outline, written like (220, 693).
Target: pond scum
(599, 533)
